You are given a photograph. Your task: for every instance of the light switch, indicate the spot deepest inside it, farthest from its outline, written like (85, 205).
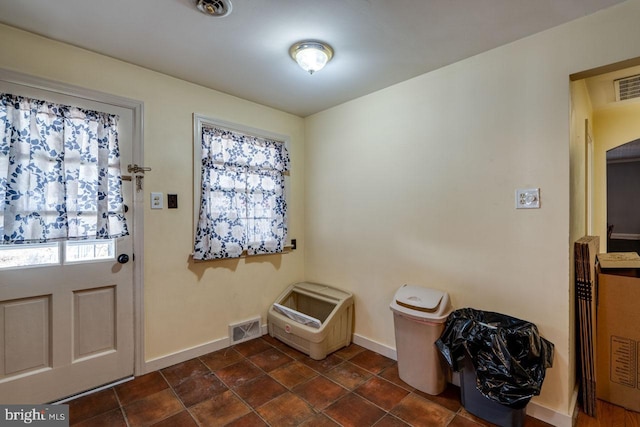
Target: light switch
(156, 201)
(172, 201)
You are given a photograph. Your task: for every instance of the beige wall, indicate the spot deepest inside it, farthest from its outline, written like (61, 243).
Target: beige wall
(415, 184)
(186, 304)
(581, 116)
(611, 128)
(581, 111)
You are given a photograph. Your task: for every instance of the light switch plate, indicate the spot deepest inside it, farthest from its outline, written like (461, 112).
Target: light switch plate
(172, 201)
(528, 198)
(156, 201)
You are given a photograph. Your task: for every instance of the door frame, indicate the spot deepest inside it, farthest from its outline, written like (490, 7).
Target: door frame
(137, 107)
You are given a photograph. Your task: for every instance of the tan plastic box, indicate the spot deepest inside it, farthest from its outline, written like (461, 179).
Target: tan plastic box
(313, 318)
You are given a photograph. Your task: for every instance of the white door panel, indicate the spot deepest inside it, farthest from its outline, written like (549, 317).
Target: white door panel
(69, 327)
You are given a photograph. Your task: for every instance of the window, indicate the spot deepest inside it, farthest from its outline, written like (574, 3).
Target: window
(242, 200)
(56, 253)
(41, 254)
(89, 250)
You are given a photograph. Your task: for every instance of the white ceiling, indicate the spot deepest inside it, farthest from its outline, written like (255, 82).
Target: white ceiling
(377, 43)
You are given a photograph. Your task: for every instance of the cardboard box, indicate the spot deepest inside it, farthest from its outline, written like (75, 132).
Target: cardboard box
(618, 329)
(585, 251)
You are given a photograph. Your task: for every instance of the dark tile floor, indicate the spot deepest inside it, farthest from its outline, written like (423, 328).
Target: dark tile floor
(263, 382)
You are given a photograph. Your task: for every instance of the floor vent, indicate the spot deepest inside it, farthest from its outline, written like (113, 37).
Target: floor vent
(244, 331)
(627, 88)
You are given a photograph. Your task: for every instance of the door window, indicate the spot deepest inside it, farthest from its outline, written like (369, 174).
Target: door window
(56, 253)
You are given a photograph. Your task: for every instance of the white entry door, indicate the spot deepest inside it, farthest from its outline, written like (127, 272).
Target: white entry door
(66, 309)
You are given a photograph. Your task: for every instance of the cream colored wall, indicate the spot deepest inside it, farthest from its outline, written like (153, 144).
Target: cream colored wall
(186, 304)
(580, 112)
(415, 184)
(611, 128)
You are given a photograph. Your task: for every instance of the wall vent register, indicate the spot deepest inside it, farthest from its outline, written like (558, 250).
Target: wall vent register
(627, 88)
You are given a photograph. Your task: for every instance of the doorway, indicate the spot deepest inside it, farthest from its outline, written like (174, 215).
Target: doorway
(70, 316)
(623, 198)
(608, 99)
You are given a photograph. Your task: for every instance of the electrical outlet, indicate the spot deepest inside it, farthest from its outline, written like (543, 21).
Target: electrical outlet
(528, 198)
(156, 201)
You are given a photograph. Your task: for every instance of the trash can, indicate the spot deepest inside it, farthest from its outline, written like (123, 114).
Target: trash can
(502, 362)
(419, 315)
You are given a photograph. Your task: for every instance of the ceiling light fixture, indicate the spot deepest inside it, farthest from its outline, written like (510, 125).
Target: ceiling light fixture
(311, 55)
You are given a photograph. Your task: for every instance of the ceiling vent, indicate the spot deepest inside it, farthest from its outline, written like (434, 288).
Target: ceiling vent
(627, 88)
(217, 8)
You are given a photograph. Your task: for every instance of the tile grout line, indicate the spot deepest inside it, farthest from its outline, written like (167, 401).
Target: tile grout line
(345, 360)
(121, 407)
(246, 358)
(229, 388)
(274, 379)
(177, 396)
(290, 389)
(349, 391)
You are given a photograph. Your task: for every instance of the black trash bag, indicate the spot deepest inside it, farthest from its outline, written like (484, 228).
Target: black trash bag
(509, 355)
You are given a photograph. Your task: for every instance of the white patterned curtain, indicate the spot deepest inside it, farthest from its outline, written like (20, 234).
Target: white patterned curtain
(59, 173)
(243, 204)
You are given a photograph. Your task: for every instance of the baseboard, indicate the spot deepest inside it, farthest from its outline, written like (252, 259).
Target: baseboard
(625, 236)
(549, 415)
(533, 409)
(573, 405)
(190, 353)
(184, 355)
(215, 345)
(379, 348)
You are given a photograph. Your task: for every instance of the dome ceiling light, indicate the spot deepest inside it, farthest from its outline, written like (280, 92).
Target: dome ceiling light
(311, 55)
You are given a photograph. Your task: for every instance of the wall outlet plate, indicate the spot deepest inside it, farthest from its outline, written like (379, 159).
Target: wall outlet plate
(156, 201)
(528, 198)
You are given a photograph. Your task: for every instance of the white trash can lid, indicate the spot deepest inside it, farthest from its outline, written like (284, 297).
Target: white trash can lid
(421, 303)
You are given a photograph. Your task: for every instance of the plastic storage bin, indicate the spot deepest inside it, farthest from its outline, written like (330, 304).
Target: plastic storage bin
(419, 315)
(313, 318)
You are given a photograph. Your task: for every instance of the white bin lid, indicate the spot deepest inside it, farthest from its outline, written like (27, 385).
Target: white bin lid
(421, 303)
